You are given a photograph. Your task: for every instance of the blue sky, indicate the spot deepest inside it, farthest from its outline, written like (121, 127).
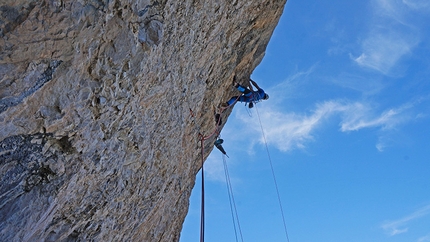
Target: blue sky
(347, 128)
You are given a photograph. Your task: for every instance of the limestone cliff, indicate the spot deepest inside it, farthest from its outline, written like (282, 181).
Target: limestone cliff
(97, 141)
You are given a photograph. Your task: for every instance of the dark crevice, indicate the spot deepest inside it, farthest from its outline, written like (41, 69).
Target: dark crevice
(46, 76)
(25, 161)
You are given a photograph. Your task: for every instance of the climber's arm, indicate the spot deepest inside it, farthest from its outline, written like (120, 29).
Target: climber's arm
(254, 83)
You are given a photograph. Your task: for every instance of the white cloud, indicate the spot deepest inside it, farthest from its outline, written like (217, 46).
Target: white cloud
(382, 51)
(289, 131)
(381, 144)
(386, 120)
(400, 225)
(391, 36)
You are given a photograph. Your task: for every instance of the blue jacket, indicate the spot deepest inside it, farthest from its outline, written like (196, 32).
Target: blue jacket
(247, 96)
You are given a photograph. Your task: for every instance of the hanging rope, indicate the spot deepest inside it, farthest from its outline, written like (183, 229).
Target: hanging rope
(202, 212)
(273, 174)
(232, 201)
(202, 139)
(248, 110)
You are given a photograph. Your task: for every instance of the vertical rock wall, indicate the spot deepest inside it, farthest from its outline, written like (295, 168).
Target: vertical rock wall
(96, 137)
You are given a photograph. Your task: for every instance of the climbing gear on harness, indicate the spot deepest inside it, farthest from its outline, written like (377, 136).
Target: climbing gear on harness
(218, 119)
(224, 105)
(234, 83)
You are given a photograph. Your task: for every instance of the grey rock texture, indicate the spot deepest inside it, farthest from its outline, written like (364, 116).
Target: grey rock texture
(97, 140)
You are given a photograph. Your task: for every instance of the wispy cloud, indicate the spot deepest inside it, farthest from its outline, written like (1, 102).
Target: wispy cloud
(391, 36)
(400, 226)
(362, 118)
(365, 85)
(382, 51)
(291, 86)
(425, 238)
(391, 10)
(420, 5)
(382, 143)
(289, 131)
(214, 168)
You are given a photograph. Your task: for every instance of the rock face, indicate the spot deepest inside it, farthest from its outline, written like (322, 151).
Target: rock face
(101, 106)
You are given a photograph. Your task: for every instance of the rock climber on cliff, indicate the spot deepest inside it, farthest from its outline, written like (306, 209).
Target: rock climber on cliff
(248, 94)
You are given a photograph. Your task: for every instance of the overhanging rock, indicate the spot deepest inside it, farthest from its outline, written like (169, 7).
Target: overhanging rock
(96, 138)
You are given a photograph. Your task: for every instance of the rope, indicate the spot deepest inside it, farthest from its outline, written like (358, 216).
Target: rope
(202, 139)
(202, 211)
(273, 174)
(231, 200)
(221, 110)
(248, 110)
(216, 131)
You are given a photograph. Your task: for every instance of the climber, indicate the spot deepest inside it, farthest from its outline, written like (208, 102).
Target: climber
(248, 95)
